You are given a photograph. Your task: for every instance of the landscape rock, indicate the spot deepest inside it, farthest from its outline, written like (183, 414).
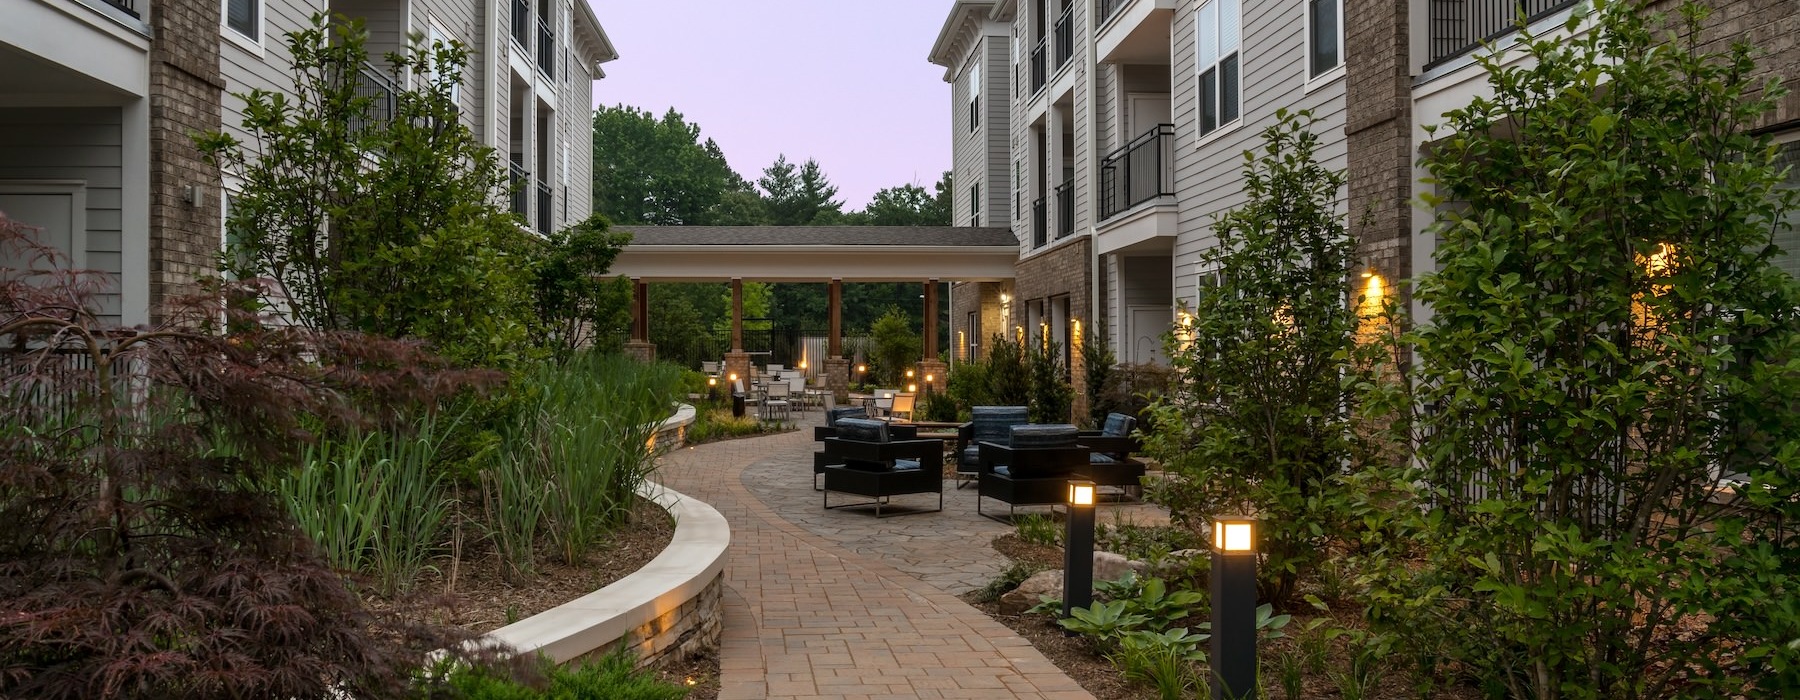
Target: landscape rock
(1112, 567)
(1031, 592)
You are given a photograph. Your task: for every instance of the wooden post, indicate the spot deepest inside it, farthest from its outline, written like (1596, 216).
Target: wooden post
(737, 314)
(931, 320)
(834, 343)
(640, 310)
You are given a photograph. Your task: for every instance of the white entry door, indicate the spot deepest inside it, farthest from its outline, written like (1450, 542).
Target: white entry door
(54, 211)
(1146, 110)
(1148, 324)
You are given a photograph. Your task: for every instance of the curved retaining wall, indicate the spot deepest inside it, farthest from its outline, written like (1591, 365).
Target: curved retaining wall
(670, 608)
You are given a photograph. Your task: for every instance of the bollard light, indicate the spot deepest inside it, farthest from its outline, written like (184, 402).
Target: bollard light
(1233, 608)
(910, 388)
(909, 374)
(862, 369)
(1078, 548)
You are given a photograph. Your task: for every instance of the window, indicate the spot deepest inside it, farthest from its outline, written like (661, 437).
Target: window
(245, 17)
(435, 37)
(975, 96)
(1325, 36)
(1019, 188)
(1788, 239)
(975, 204)
(1216, 33)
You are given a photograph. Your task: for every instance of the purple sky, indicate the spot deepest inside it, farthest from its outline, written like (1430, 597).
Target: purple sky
(843, 81)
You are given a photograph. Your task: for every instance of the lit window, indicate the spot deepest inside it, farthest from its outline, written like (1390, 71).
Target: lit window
(1217, 34)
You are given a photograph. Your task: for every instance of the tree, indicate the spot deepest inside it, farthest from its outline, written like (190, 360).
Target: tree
(799, 196)
(577, 304)
(906, 205)
(897, 345)
(390, 226)
(1258, 422)
(1609, 448)
(658, 171)
(1050, 397)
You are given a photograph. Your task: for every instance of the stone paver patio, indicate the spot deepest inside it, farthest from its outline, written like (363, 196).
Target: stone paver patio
(838, 604)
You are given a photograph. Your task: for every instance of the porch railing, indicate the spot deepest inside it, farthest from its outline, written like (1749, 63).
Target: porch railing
(1138, 172)
(546, 48)
(375, 85)
(521, 22)
(126, 6)
(1040, 67)
(543, 208)
(1065, 209)
(1065, 37)
(521, 181)
(1106, 9)
(1039, 215)
(1456, 27)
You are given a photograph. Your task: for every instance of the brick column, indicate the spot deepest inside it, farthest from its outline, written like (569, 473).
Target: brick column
(737, 362)
(1379, 130)
(186, 92)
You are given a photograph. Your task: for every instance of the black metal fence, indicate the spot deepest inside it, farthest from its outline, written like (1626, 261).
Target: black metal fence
(780, 346)
(379, 89)
(1138, 172)
(1458, 26)
(543, 208)
(1040, 67)
(1065, 209)
(521, 22)
(1065, 37)
(126, 6)
(521, 182)
(1107, 8)
(546, 48)
(1039, 221)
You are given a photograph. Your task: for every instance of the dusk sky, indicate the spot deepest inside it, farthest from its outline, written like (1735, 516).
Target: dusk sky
(843, 81)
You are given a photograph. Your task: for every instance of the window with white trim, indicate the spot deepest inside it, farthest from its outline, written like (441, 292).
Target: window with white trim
(244, 17)
(975, 93)
(1218, 64)
(434, 38)
(1324, 36)
(975, 204)
(1788, 239)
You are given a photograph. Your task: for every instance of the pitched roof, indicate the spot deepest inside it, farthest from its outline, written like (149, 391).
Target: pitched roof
(955, 236)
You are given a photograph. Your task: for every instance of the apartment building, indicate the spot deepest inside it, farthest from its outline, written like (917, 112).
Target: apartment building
(1130, 118)
(98, 99)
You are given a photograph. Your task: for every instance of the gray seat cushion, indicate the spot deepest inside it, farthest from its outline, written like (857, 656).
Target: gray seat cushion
(970, 456)
(834, 415)
(1100, 458)
(992, 423)
(903, 465)
(862, 430)
(1050, 435)
(1118, 425)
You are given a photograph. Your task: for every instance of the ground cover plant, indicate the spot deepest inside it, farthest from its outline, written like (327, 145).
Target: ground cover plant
(1605, 478)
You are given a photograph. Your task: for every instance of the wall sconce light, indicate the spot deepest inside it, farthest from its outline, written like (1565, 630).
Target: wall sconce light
(193, 195)
(930, 378)
(1234, 608)
(1368, 272)
(862, 369)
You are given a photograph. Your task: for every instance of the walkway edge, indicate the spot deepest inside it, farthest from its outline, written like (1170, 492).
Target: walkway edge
(690, 566)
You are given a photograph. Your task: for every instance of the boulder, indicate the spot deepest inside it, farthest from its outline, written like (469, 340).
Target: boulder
(1112, 567)
(1031, 592)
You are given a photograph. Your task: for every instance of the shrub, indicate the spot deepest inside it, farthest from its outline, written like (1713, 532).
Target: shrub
(577, 305)
(1050, 396)
(1609, 339)
(897, 346)
(1098, 361)
(967, 386)
(719, 424)
(1258, 423)
(1008, 383)
(613, 677)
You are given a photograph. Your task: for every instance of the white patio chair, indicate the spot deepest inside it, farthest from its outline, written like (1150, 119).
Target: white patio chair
(709, 367)
(797, 388)
(776, 404)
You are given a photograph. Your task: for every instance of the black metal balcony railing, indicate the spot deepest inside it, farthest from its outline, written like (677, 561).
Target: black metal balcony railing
(543, 204)
(521, 180)
(1065, 209)
(1138, 172)
(379, 89)
(1065, 37)
(521, 22)
(126, 6)
(546, 48)
(1040, 67)
(1107, 8)
(1039, 213)
(1458, 26)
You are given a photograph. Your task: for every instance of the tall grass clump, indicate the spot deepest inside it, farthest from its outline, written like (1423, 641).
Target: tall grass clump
(582, 446)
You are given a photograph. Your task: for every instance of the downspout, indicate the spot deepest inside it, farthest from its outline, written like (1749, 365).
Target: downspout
(489, 117)
(1093, 68)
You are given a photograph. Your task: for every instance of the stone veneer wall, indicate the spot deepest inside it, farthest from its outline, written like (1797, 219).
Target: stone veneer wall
(983, 299)
(692, 628)
(186, 91)
(1065, 269)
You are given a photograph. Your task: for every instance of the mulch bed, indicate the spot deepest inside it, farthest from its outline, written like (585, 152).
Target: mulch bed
(1071, 654)
(1014, 547)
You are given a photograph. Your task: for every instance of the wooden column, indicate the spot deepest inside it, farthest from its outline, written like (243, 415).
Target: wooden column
(931, 320)
(640, 310)
(737, 314)
(834, 343)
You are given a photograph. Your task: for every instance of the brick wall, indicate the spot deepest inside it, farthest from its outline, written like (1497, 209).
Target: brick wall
(185, 94)
(1379, 130)
(982, 299)
(1065, 269)
(1772, 27)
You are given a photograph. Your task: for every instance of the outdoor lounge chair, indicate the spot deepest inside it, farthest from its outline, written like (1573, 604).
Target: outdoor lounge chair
(1033, 469)
(990, 424)
(1111, 462)
(879, 467)
(829, 429)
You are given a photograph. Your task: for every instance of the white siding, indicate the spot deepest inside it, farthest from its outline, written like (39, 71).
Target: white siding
(75, 143)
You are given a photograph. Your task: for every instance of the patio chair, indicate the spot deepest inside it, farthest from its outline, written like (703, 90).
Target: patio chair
(989, 424)
(1032, 469)
(876, 465)
(775, 403)
(902, 407)
(797, 389)
(1111, 462)
(709, 367)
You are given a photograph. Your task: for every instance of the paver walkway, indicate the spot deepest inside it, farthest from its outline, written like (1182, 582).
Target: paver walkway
(808, 615)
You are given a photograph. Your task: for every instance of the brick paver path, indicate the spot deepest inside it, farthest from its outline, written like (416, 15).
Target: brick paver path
(837, 604)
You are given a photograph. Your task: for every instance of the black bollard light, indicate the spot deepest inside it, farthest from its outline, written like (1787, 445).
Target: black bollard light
(1234, 608)
(1078, 549)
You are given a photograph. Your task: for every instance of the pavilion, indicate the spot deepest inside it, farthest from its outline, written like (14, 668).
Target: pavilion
(829, 254)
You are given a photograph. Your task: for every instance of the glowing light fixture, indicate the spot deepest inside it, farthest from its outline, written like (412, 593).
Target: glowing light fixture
(1234, 535)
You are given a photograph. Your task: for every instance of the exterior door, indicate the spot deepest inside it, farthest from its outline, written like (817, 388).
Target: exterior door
(1148, 324)
(54, 211)
(1145, 111)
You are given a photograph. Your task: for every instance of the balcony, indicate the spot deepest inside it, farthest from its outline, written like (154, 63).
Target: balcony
(1040, 67)
(1133, 31)
(521, 182)
(1065, 37)
(126, 6)
(521, 22)
(1138, 172)
(543, 208)
(1107, 8)
(1065, 209)
(1457, 27)
(374, 85)
(546, 48)
(1039, 213)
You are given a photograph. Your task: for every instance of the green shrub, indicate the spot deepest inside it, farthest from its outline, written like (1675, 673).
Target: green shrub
(967, 386)
(1098, 361)
(614, 677)
(897, 346)
(1038, 528)
(718, 424)
(1049, 395)
(1008, 384)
